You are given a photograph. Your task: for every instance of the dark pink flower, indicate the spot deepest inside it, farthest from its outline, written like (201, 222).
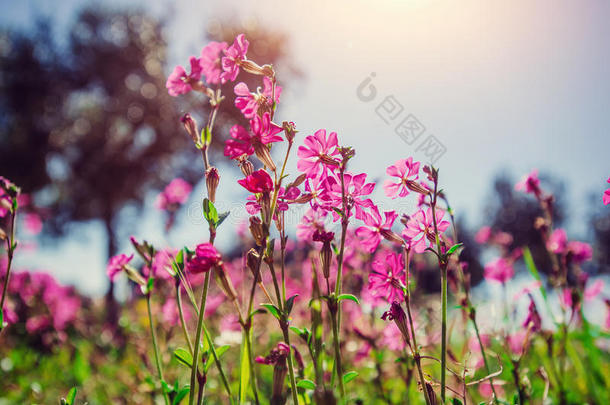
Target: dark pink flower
(312, 221)
(116, 264)
(388, 277)
(210, 61)
(499, 270)
(580, 251)
(606, 197)
(179, 82)
(263, 132)
(419, 231)
(356, 188)
(175, 194)
(407, 172)
(234, 55)
(376, 229)
(258, 182)
(318, 152)
(533, 319)
(529, 183)
(249, 103)
(206, 256)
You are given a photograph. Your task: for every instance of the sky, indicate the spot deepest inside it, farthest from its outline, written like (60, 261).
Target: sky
(502, 86)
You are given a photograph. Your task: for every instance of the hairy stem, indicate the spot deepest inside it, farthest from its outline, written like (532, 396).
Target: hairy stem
(156, 347)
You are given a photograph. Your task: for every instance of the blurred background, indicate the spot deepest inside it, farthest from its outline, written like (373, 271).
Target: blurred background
(88, 130)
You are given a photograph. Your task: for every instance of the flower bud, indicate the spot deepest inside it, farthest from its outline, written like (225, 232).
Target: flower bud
(256, 230)
(190, 125)
(252, 262)
(326, 253)
(391, 236)
(290, 130)
(417, 187)
(262, 153)
(397, 314)
(224, 282)
(252, 67)
(246, 167)
(212, 178)
(298, 181)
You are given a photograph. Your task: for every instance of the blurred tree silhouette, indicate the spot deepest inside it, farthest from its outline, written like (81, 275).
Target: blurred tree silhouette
(89, 129)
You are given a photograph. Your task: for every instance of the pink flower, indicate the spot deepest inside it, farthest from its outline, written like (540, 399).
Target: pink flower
(376, 229)
(407, 172)
(206, 256)
(249, 103)
(116, 264)
(419, 231)
(312, 221)
(318, 152)
(558, 241)
(486, 391)
(175, 194)
(233, 57)
(606, 197)
(284, 198)
(33, 223)
(356, 189)
(263, 133)
(499, 270)
(533, 319)
(483, 235)
(179, 82)
(581, 251)
(258, 182)
(516, 342)
(388, 277)
(211, 66)
(529, 183)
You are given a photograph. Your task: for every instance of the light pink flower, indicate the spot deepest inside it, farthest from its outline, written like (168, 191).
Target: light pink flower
(233, 57)
(388, 277)
(483, 235)
(318, 152)
(407, 171)
(606, 197)
(581, 251)
(249, 103)
(356, 189)
(179, 82)
(263, 131)
(419, 231)
(175, 194)
(312, 221)
(32, 223)
(558, 241)
(376, 229)
(516, 341)
(499, 270)
(529, 183)
(210, 61)
(116, 264)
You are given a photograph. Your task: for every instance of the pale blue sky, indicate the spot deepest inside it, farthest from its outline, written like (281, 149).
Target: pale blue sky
(503, 85)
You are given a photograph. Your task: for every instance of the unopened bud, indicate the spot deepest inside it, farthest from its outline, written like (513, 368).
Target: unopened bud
(391, 236)
(256, 230)
(397, 314)
(252, 67)
(303, 198)
(298, 181)
(329, 160)
(252, 262)
(246, 167)
(262, 153)
(417, 187)
(190, 125)
(290, 130)
(212, 178)
(326, 253)
(224, 282)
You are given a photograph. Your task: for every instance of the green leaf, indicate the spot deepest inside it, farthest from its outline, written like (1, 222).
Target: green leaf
(454, 248)
(180, 259)
(166, 387)
(206, 135)
(290, 304)
(349, 376)
(184, 357)
(455, 401)
(222, 217)
(338, 211)
(273, 310)
(209, 212)
(181, 394)
(244, 371)
(219, 352)
(71, 397)
(257, 311)
(306, 384)
(348, 297)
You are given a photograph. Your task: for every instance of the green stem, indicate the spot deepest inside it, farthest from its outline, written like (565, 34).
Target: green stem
(251, 364)
(10, 247)
(293, 384)
(204, 295)
(182, 320)
(487, 368)
(337, 346)
(156, 347)
(443, 331)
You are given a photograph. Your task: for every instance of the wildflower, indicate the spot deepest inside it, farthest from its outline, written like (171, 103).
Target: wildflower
(529, 183)
(483, 235)
(234, 55)
(500, 270)
(533, 319)
(116, 264)
(250, 103)
(356, 189)
(263, 133)
(407, 172)
(258, 182)
(212, 178)
(206, 256)
(277, 357)
(397, 314)
(312, 221)
(558, 241)
(175, 194)
(318, 152)
(326, 253)
(210, 61)
(179, 82)
(606, 197)
(579, 252)
(375, 229)
(388, 277)
(419, 229)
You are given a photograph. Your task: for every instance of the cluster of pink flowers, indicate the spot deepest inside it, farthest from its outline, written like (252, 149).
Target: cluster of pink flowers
(606, 197)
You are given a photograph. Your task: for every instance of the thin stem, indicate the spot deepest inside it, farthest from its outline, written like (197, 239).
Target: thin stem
(476, 330)
(182, 320)
(414, 347)
(293, 384)
(156, 347)
(337, 347)
(251, 364)
(10, 247)
(204, 295)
